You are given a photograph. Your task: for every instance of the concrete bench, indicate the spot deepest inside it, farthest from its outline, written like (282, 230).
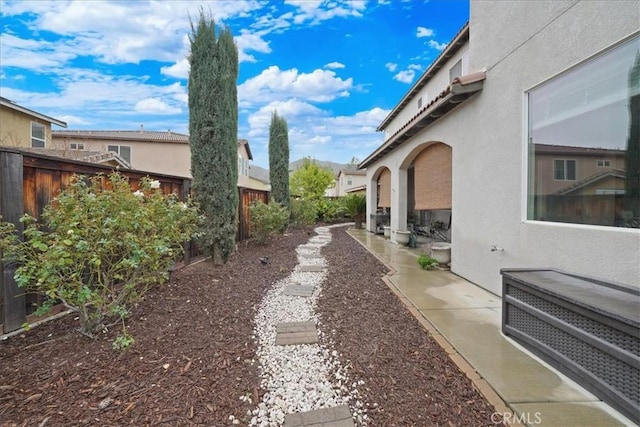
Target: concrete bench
(589, 329)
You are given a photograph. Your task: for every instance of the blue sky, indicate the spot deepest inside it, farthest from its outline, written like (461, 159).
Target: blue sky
(333, 69)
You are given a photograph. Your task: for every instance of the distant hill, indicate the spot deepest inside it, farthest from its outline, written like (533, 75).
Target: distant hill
(262, 174)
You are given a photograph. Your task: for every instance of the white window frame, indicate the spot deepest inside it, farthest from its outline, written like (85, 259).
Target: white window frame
(42, 140)
(565, 163)
(76, 145)
(603, 163)
(118, 150)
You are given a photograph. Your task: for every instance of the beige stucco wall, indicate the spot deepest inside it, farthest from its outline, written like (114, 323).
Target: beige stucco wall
(15, 128)
(488, 137)
(437, 84)
(343, 185)
(166, 158)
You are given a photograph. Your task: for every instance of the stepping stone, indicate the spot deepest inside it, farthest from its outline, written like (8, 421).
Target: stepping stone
(311, 256)
(340, 416)
(311, 268)
(299, 290)
(290, 333)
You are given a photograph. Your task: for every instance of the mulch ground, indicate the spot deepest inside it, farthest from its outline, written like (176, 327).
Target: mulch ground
(191, 361)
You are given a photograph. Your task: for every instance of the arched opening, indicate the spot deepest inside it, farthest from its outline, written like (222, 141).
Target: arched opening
(380, 200)
(429, 192)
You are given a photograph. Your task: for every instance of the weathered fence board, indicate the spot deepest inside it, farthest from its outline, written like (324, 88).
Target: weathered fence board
(13, 305)
(30, 181)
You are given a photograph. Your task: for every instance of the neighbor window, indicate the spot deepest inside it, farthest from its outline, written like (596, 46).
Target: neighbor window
(243, 166)
(38, 138)
(564, 170)
(123, 150)
(580, 122)
(76, 146)
(349, 181)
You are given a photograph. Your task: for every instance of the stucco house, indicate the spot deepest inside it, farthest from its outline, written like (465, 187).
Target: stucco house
(162, 152)
(519, 133)
(351, 180)
(24, 128)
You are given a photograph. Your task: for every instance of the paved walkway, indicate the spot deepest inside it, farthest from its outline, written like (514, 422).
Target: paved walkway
(466, 320)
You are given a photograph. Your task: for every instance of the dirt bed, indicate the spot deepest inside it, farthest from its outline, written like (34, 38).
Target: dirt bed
(191, 361)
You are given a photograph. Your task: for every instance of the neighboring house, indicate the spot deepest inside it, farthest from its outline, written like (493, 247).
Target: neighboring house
(519, 134)
(351, 181)
(21, 127)
(153, 151)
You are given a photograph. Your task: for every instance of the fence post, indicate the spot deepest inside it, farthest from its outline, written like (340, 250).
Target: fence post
(13, 310)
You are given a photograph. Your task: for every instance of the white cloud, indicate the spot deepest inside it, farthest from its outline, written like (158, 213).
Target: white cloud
(424, 32)
(179, 70)
(314, 11)
(417, 67)
(438, 46)
(405, 76)
(155, 106)
(273, 83)
(391, 66)
(71, 120)
(125, 32)
(293, 110)
(250, 41)
(334, 65)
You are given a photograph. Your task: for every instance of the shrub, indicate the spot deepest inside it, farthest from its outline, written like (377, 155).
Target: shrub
(356, 206)
(100, 247)
(303, 212)
(329, 210)
(426, 262)
(267, 220)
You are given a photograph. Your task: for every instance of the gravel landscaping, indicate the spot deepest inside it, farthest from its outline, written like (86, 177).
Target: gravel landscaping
(204, 354)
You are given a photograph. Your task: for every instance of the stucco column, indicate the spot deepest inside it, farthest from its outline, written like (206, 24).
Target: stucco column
(372, 196)
(398, 201)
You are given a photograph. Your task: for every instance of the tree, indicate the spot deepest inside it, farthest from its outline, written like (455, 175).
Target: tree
(311, 181)
(213, 135)
(356, 206)
(279, 160)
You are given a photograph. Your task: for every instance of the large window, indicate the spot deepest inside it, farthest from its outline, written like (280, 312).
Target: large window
(38, 138)
(123, 150)
(584, 142)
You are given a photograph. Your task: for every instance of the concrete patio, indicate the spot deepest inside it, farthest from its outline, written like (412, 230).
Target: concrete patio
(466, 321)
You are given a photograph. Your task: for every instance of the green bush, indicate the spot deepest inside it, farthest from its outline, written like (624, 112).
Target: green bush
(267, 220)
(303, 212)
(426, 262)
(100, 247)
(329, 210)
(356, 206)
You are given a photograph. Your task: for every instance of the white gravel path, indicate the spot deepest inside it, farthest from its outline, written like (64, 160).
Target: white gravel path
(299, 378)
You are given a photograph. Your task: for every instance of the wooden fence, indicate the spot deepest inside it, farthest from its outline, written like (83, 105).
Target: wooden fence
(28, 183)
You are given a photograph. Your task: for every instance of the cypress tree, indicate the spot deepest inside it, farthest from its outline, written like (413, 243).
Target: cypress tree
(279, 160)
(213, 135)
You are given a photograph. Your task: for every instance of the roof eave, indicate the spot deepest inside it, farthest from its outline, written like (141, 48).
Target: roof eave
(458, 92)
(459, 40)
(8, 103)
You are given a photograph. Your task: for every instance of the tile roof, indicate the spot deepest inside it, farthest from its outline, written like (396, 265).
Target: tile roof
(567, 149)
(460, 89)
(125, 135)
(81, 155)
